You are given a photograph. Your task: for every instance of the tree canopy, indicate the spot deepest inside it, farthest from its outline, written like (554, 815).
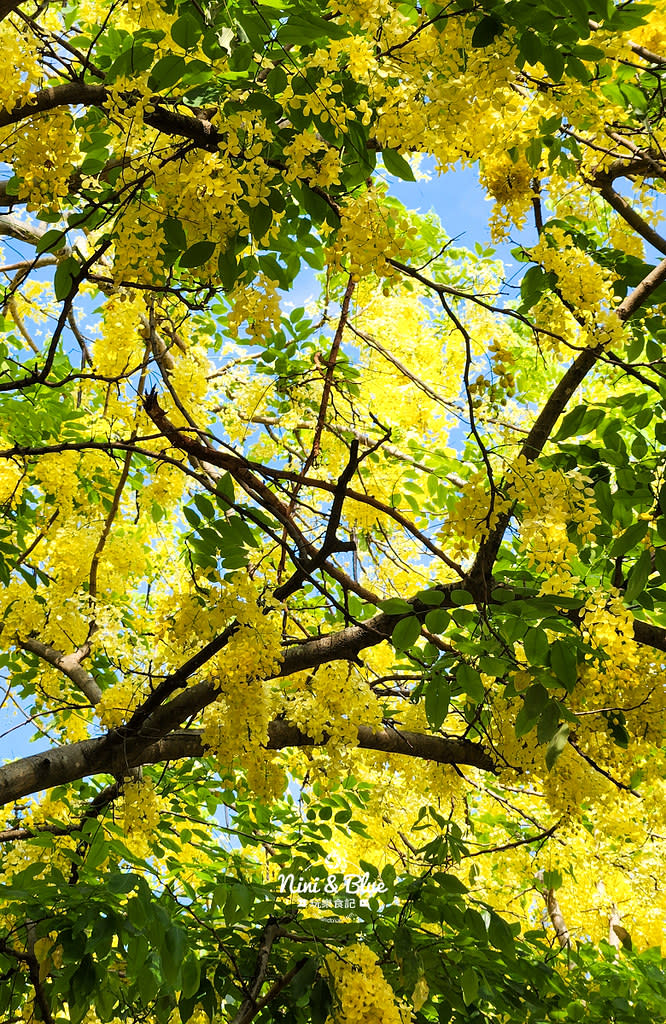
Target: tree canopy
(332, 547)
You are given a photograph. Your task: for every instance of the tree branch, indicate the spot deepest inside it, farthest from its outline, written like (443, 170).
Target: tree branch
(248, 1008)
(61, 765)
(7, 7)
(68, 664)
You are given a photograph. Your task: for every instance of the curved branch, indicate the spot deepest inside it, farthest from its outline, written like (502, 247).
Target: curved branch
(68, 664)
(82, 94)
(93, 757)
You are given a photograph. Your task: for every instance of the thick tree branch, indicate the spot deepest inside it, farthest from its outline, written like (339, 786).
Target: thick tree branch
(603, 181)
(557, 919)
(82, 94)
(61, 765)
(68, 664)
(7, 7)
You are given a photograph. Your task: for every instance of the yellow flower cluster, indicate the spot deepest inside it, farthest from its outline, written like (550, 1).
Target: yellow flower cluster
(142, 809)
(322, 103)
(304, 160)
(551, 503)
(608, 624)
(369, 235)
(12, 482)
(362, 993)
(367, 14)
(119, 701)
(471, 519)
(236, 724)
(584, 285)
(119, 351)
(333, 702)
(256, 307)
(23, 73)
(43, 157)
(510, 183)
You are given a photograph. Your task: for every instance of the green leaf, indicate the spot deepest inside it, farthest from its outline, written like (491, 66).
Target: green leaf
(437, 697)
(167, 72)
(552, 879)
(197, 254)
(190, 975)
(556, 745)
(501, 935)
(549, 720)
(437, 620)
(82, 985)
(406, 633)
(397, 165)
(227, 267)
(571, 423)
(241, 57)
(535, 643)
(469, 983)
(174, 232)
(51, 240)
(122, 882)
(564, 663)
(63, 279)
(395, 606)
(186, 31)
(630, 538)
(638, 577)
(487, 30)
(469, 681)
(261, 217)
(172, 949)
(534, 701)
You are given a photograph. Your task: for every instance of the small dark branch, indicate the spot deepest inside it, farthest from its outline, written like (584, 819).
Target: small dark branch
(175, 681)
(81, 341)
(281, 983)
(32, 964)
(597, 768)
(528, 841)
(331, 543)
(536, 206)
(328, 380)
(248, 1008)
(33, 544)
(95, 807)
(642, 291)
(106, 529)
(470, 406)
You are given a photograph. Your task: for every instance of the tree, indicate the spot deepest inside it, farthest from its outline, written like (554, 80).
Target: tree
(340, 624)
